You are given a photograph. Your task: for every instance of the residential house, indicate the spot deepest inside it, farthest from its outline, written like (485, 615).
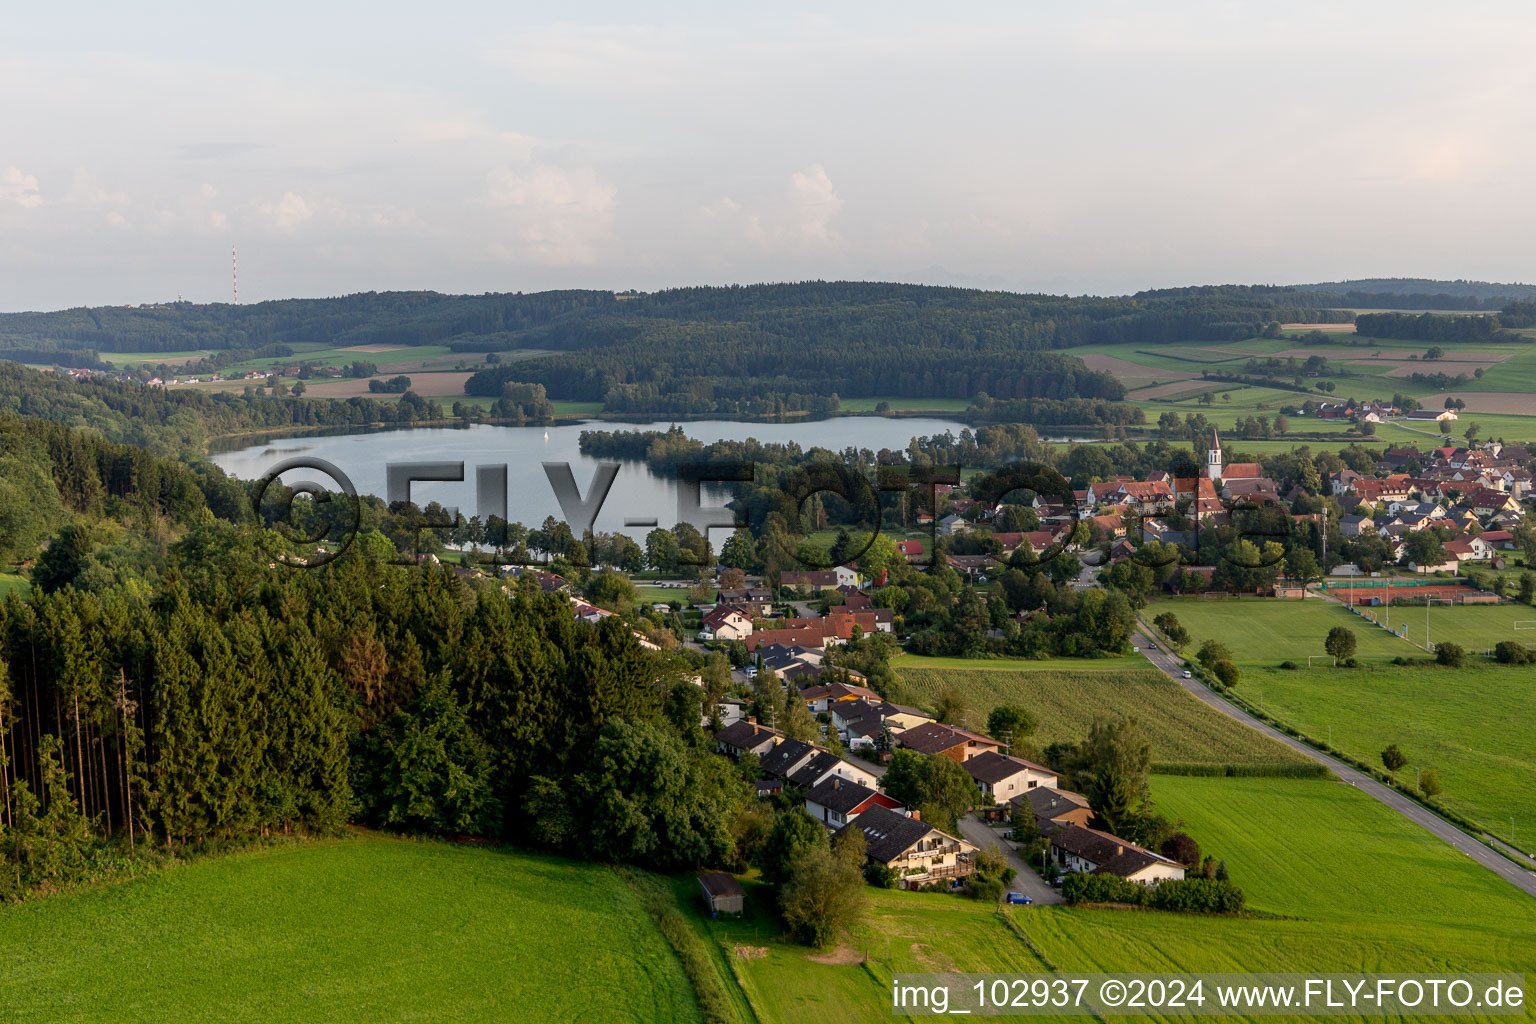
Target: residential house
(959, 745)
(747, 737)
(724, 622)
(1090, 851)
(916, 852)
(911, 550)
(836, 802)
(755, 602)
(953, 524)
(1004, 777)
(1052, 806)
(826, 765)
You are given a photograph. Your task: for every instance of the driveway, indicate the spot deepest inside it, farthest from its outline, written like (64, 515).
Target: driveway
(1026, 880)
(1410, 809)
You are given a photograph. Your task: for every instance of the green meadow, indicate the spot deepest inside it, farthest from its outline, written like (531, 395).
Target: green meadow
(368, 928)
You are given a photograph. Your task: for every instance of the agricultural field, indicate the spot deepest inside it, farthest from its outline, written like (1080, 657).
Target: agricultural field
(1473, 726)
(1259, 630)
(899, 404)
(1066, 701)
(361, 929)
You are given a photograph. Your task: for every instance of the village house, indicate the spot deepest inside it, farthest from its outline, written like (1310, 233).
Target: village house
(742, 738)
(915, 852)
(1004, 777)
(836, 802)
(724, 622)
(1089, 851)
(827, 765)
(959, 745)
(754, 602)
(1052, 806)
(911, 550)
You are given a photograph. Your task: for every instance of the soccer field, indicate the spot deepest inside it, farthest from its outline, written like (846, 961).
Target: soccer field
(1260, 630)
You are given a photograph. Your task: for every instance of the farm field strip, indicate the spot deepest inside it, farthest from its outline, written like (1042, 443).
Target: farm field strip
(1179, 728)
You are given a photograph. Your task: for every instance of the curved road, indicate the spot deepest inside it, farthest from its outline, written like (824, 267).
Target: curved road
(1410, 809)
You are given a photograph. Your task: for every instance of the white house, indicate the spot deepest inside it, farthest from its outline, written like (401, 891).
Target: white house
(726, 623)
(1005, 777)
(1090, 851)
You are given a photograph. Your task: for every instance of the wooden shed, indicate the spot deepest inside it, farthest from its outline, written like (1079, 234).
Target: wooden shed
(722, 893)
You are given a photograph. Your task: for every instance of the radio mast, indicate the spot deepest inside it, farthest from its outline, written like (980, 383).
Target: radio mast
(234, 271)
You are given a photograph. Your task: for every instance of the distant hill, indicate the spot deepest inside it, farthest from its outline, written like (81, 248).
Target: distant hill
(1422, 292)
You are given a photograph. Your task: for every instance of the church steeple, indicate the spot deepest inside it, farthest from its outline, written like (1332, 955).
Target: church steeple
(1213, 458)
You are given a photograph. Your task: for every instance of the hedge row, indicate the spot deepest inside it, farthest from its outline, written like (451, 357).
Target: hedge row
(1191, 895)
(1311, 770)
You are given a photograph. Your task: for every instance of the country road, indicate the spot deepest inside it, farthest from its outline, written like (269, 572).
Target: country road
(1410, 809)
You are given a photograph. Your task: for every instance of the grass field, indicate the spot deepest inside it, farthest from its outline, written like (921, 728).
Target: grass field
(1066, 702)
(10, 583)
(905, 404)
(1477, 627)
(1473, 726)
(361, 929)
(1268, 630)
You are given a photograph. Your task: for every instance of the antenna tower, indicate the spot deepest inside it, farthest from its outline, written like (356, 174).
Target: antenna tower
(234, 272)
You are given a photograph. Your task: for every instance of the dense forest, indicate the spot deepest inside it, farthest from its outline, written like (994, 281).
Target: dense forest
(176, 422)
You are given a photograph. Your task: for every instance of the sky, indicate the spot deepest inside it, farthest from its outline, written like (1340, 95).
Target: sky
(518, 147)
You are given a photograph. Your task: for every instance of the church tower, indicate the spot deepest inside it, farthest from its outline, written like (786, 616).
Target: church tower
(1213, 458)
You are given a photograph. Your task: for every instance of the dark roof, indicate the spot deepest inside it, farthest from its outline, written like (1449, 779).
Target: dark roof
(992, 767)
(1047, 803)
(841, 795)
(812, 769)
(932, 738)
(887, 833)
(718, 883)
(744, 735)
(786, 756)
(1109, 854)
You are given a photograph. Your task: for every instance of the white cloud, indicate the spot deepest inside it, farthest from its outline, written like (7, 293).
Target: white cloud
(290, 212)
(813, 202)
(19, 188)
(799, 221)
(557, 217)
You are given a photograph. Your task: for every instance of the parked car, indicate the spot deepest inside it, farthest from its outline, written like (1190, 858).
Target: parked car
(1018, 897)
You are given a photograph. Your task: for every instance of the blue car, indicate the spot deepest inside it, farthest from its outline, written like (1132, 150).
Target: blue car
(1018, 897)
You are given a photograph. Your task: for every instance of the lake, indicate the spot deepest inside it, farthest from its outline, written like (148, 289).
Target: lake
(637, 493)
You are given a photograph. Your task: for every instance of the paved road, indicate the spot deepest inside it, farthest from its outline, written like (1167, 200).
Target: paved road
(1027, 881)
(1410, 809)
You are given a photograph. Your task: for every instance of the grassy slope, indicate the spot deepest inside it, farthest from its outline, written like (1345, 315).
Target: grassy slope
(1066, 702)
(365, 929)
